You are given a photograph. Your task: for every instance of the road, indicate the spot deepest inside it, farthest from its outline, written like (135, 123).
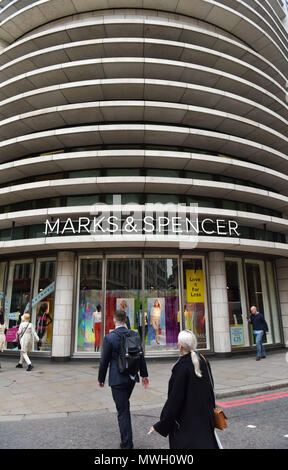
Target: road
(259, 421)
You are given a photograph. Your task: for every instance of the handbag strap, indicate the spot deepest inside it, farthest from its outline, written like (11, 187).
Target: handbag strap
(211, 382)
(24, 331)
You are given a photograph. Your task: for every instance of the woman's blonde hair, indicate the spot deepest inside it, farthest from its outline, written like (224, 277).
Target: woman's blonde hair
(188, 341)
(26, 316)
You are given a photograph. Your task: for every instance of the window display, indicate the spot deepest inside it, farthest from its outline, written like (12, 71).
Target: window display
(43, 303)
(195, 300)
(123, 291)
(90, 305)
(18, 297)
(162, 303)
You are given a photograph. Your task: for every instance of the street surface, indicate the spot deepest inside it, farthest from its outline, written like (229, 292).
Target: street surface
(258, 421)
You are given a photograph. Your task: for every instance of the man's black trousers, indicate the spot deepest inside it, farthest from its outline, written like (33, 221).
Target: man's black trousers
(121, 395)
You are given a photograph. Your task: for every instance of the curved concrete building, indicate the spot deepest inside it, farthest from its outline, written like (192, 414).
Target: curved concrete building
(144, 166)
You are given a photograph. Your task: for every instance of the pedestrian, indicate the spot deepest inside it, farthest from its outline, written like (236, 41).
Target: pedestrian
(3, 330)
(25, 335)
(259, 328)
(188, 414)
(121, 384)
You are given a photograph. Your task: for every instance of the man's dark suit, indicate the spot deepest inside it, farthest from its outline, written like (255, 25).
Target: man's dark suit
(121, 385)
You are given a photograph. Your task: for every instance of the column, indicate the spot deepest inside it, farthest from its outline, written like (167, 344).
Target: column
(62, 324)
(282, 281)
(219, 303)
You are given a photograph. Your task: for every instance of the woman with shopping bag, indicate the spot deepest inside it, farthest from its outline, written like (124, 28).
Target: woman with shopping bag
(25, 336)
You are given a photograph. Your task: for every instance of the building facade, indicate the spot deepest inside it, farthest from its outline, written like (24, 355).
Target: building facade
(143, 166)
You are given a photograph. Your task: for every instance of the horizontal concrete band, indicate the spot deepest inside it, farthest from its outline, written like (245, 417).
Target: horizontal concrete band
(148, 111)
(142, 67)
(39, 216)
(143, 241)
(28, 18)
(142, 89)
(73, 33)
(143, 158)
(139, 47)
(143, 134)
(143, 184)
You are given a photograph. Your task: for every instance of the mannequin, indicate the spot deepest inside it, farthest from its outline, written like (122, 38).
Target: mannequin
(155, 318)
(42, 320)
(96, 327)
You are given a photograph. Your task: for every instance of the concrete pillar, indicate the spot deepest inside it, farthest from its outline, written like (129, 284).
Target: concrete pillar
(219, 303)
(61, 343)
(282, 281)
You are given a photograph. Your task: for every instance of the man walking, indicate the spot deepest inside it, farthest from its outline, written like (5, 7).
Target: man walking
(259, 328)
(121, 384)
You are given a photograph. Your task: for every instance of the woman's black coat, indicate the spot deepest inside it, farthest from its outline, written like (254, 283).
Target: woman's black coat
(188, 415)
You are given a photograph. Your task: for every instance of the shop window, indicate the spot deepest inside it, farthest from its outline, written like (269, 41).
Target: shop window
(238, 323)
(90, 305)
(195, 300)
(273, 302)
(43, 303)
(161, 304)
(258, 293)
(18, 297)
(3, 269)
(123, 291)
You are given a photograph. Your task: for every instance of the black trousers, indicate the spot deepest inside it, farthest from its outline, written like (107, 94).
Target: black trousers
(121, 396)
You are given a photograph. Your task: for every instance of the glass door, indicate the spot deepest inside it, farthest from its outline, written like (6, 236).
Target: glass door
(258, 293)
(238, 313)
(18, 296)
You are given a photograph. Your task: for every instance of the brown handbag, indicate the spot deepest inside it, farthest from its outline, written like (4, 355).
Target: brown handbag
(220, 419)
(219, 415)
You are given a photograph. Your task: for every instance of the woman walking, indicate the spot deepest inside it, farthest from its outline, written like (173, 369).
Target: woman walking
(25, 334)
(3, 329)
(188, 414)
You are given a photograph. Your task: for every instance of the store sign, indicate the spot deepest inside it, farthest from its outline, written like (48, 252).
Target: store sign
(237, 335)
(149, 224)
(195, 285)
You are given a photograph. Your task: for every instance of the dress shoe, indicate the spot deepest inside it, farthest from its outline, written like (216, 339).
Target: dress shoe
(19, 366)
(30, 367)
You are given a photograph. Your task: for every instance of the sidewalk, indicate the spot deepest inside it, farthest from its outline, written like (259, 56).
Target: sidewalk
(66, 389)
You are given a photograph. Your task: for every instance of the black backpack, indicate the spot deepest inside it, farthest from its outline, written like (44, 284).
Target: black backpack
(130, 353)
